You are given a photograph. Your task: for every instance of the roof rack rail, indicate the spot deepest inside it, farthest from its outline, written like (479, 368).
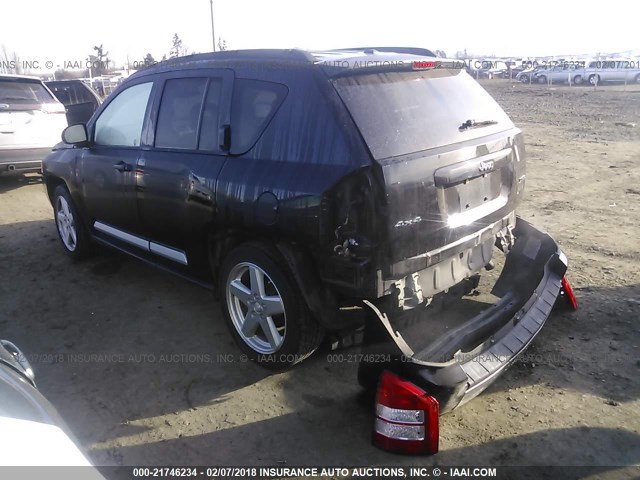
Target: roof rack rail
(409, 50)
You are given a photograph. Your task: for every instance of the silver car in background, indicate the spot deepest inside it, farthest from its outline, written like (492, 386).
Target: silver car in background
(558, 74)
(528, 74)
(602, 71)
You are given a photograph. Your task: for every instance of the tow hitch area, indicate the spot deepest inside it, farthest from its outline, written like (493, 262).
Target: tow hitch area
(437, 360)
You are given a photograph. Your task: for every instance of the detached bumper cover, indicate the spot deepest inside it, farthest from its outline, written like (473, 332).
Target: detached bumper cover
(528, 287)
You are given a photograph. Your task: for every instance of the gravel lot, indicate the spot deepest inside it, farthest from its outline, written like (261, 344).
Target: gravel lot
(143, 370)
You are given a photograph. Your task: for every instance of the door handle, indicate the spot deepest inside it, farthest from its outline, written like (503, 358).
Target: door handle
(122, 166)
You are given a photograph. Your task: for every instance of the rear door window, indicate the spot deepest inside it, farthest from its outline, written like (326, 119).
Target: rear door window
(179, 115)
(71, 93)
(253, 105)
(212, 116)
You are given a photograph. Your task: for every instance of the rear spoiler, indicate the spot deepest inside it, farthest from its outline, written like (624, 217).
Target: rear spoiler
(382, 64)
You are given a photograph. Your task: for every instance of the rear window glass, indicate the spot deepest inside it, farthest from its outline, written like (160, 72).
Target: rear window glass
(253, 105)
(23, 93)
(71, 93)
(405, 112)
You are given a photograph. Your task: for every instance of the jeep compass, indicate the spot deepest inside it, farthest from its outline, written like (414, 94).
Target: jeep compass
(307, 187)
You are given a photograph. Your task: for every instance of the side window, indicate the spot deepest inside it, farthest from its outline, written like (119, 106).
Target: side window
(253, 105)
(210, 117)
(72, 90)
(180, 113)
(75, 94)
(120, 124)
(62, 94)
(83, 96)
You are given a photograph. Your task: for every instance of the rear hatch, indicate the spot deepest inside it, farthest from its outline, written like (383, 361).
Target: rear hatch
(30, 116)
(451, 159)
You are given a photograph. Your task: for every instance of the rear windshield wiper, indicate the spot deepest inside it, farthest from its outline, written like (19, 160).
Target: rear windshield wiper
(473, 124)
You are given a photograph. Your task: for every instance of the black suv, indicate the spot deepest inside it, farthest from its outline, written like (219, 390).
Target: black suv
(298, 184)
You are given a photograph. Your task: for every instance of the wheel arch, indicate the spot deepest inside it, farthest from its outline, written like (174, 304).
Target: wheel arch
(52, 182)
(320, 301)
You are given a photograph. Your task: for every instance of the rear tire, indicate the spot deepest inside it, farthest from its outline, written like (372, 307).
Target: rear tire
(264, 310)
(71, 231)
(638, 78)
(542, 79)
(577, 80)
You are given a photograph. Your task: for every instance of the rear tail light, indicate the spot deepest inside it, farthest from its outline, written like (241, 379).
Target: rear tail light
(567, 291)
(406, 417)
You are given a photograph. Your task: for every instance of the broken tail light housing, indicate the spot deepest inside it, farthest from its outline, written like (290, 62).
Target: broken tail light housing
(567, 292)
(407, 418)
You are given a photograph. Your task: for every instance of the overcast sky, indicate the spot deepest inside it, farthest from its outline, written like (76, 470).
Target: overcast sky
(67, 30)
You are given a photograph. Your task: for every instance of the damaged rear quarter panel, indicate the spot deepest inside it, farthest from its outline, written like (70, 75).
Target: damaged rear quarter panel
(309, 145)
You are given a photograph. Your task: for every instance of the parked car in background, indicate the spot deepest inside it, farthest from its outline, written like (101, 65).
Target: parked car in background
(79, 99)
(604, 71)
(527, 75)
(557, 74)
(31, 121)
(515, 70)
(493, 69)
(31, 430)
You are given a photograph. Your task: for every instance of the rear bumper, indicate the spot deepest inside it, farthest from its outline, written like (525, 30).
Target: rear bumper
(22, 160)
(528, 287)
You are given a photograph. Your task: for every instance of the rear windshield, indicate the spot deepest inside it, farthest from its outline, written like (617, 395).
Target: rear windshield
(71, 93)
(405, 112)
(21, 94)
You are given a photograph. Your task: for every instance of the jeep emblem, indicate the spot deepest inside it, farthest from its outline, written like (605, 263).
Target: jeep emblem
(486, 166)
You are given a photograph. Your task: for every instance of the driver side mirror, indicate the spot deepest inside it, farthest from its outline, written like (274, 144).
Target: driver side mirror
(76, 135)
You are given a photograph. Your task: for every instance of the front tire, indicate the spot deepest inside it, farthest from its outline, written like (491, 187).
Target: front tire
(594, 79)
(264, 310)
(71, 232)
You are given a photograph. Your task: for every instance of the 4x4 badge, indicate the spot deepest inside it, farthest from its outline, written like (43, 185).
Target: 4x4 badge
(486, 166)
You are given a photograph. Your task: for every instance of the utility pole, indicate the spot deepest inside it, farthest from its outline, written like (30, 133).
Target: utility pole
(213, 35)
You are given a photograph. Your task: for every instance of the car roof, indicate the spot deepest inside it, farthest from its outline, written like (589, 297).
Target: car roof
(226, 58)
(338, 60)
(11, 76)
(66, 80)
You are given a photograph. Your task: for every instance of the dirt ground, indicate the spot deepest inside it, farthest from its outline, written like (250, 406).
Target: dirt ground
(166, 385)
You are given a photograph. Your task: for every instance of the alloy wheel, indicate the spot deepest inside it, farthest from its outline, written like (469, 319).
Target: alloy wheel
(256, 308)
(66, 224)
